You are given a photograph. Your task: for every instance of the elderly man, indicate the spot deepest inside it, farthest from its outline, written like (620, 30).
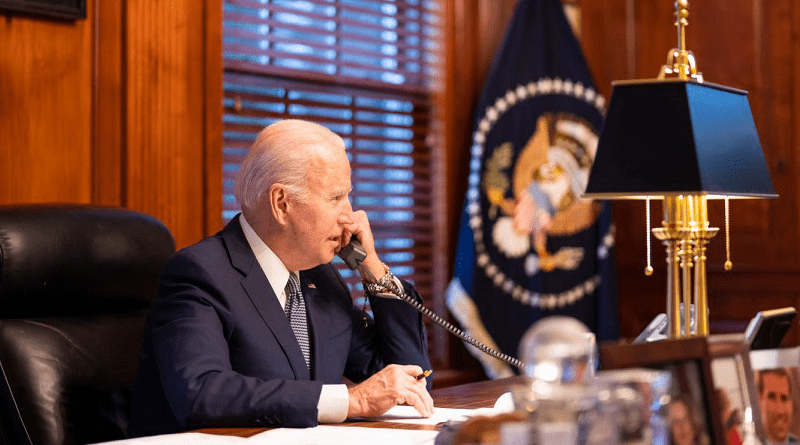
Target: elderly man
(254, 327)
(775, 401)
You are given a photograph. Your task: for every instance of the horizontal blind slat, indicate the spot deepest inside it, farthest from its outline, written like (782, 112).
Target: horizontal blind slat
(247, 25)
(331, 64)
(415, 84)
(298, 82)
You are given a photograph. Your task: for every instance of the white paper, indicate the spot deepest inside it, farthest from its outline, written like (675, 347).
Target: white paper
(181, 439)
(407, 414)
(504, 403)
(344, 435)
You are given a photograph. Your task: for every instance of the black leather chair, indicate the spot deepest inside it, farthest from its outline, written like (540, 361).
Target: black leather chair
(75, 284)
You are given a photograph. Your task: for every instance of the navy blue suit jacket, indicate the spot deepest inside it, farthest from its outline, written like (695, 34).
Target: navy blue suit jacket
(220, 351)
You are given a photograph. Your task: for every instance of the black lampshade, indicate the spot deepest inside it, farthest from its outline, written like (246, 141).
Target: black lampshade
(678, 137)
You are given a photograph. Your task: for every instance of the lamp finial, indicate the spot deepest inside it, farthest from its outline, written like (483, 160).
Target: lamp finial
(681, 62)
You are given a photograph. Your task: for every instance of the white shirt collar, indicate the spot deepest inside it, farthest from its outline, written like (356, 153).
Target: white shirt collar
(277, 274)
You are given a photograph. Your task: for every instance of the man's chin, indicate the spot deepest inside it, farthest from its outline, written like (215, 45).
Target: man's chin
(328, 257)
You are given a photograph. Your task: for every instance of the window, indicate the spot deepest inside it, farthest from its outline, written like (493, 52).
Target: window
(363, 68)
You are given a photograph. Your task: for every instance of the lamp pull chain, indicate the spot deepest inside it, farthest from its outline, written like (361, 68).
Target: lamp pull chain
(728, 263)
(649, 269)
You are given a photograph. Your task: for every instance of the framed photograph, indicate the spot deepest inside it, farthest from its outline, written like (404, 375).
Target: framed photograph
(736, 394)
(776, 377)
(767, 329)
(63, 9)
(692, 409)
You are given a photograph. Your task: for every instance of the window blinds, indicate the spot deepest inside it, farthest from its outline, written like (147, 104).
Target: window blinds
(364, 69)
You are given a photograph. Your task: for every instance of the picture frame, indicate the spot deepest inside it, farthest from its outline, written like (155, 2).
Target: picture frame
(735, 389)
(693, 400)
(62, 9)
(776, 377)
(767, 329)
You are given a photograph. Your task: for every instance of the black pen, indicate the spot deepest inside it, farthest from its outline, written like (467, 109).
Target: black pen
(424, 374)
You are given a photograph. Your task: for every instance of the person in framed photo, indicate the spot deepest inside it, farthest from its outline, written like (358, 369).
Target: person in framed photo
(777, 405)
(685, 426)
(731, 418)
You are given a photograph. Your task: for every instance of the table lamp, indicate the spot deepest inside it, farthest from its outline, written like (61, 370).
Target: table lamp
(685, 141)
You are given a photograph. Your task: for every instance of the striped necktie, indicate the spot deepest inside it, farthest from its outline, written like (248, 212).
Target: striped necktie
(296, 311)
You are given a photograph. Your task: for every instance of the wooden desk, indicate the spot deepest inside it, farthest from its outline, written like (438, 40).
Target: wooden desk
(474, 395)
(471, 395)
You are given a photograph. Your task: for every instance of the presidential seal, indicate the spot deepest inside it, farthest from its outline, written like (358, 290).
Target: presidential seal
(523, 199)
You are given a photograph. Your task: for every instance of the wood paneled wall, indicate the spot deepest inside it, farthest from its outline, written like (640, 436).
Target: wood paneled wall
(747, 44)
(45, 110)
(124, 108)
(115, 109)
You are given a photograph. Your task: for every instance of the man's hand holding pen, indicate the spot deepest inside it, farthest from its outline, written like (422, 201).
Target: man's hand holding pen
(393, 385)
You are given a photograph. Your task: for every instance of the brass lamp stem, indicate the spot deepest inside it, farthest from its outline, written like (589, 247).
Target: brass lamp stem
(687, 254)
(686, 279)
(702, 233)
(691, 213)
(671, 241)
(670, 235)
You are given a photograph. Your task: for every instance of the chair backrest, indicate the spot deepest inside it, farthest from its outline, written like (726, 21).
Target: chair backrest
(75, 284)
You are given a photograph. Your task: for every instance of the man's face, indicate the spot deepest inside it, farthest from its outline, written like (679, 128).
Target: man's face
(680, 422)
(776, 406)
(314, 223)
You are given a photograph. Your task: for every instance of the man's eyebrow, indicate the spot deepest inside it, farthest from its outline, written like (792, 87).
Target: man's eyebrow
(341, 191)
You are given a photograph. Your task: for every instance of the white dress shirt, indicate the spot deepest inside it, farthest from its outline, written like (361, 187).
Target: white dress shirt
(334, 399)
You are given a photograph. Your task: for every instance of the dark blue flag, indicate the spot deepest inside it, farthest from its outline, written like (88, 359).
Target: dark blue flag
(530, 246)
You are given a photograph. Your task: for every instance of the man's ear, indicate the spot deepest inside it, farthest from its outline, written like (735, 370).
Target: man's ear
(279, 202)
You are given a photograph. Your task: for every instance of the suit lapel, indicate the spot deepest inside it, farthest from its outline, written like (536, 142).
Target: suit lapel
(258, 289)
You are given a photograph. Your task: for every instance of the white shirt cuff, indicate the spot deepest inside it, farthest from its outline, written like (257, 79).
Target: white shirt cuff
(334, 400)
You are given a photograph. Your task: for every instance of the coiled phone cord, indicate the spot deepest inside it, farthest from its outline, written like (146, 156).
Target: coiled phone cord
(400, 293)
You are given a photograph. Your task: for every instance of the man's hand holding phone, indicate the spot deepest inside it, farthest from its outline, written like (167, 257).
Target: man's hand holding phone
(356, 224)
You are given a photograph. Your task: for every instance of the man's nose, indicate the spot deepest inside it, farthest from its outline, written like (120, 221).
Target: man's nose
(345, 214)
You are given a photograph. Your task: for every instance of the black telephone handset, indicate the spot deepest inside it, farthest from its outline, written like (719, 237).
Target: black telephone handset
(353, 254)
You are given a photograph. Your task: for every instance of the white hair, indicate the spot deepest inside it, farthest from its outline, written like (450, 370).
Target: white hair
(281, 154)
